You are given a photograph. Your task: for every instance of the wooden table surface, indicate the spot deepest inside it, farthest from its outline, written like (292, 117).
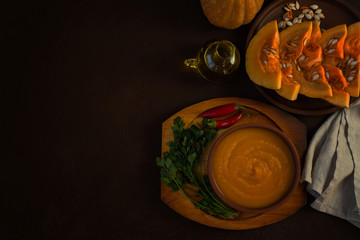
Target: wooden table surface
(85, 88)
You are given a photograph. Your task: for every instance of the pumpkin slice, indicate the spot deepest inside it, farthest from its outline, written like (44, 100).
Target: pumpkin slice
(338, 83)
(339, 98)
(289, 87)
(352, 75)
(291, 45)
(262, 57)
(308, 71)
(352, 41)
(292, 40)
(350, 65)
(312, 52)
(312, 81)
(335, 77)
(332, 43)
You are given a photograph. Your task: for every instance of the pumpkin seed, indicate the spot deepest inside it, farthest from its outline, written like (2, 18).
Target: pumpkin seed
(305, 40)
(331, 50)
(289, 23)
(350, 78)
(327, 75)
(266, 51)
(308, 16)
(306, 10)
(292, 6)
(287, 9)
(301, 15)
(315, 72)
(298, 68)
(273, 51)
(319, 10)
(281, 67)
(300, 20)
(285, 16)
(321, 15)
(353, 63)
(315, 77)
(350, 61)
(294, 44)
(316, 17)
(352, 73)
(290, 75)
(282, 24)
(295, 20)
(314, 6)
(297, 5)
(301, 58)
(265, 62)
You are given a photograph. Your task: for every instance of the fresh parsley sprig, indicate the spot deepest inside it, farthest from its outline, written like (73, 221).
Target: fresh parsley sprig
(178, 167)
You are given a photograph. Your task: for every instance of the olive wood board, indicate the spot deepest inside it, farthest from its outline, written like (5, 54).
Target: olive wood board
(259, 113)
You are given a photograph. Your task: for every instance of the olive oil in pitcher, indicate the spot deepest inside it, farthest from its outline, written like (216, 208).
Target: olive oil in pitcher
(216, 61)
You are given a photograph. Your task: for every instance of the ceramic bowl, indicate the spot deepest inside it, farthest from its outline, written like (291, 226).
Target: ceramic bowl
(295, 169)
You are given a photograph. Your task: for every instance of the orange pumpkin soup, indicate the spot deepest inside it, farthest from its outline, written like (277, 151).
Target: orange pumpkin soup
(253, 167)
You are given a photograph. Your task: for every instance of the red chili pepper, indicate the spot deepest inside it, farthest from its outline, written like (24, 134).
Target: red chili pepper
(222, 110)
(225, 123)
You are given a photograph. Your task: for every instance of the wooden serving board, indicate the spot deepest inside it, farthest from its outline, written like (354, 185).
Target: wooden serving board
(260, 113)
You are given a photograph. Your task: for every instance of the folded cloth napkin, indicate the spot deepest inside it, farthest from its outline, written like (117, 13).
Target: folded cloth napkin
(332, 165)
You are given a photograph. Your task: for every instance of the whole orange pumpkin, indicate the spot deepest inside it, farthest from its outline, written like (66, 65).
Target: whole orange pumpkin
(230, 14)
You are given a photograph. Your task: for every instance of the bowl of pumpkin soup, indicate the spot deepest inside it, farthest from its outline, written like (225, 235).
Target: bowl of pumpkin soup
(253, 167)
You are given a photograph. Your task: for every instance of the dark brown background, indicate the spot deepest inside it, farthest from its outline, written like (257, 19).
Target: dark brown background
(84, 90)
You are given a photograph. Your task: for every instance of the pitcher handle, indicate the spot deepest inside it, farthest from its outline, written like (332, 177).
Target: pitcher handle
(191, 62)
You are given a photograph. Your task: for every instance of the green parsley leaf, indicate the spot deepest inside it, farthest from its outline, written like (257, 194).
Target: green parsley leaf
(178, 166)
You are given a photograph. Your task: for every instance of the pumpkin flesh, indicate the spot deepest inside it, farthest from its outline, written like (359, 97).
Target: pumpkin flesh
(313, 83)
(312, 52)
(308, 71)
(291, 46)
(338, 84)
(332, 42)
(262, 57)
(350, 65)
(289, 87)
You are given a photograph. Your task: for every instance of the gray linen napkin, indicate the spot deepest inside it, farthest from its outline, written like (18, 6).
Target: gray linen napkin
(332, 165)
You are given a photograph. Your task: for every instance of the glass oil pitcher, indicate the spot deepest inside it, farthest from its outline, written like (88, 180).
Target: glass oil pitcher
(217, 61)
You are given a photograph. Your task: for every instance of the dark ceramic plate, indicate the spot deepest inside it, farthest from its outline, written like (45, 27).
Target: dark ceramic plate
(336, 12)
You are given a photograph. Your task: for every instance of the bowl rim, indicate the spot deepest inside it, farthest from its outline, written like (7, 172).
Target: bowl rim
(296, 171)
